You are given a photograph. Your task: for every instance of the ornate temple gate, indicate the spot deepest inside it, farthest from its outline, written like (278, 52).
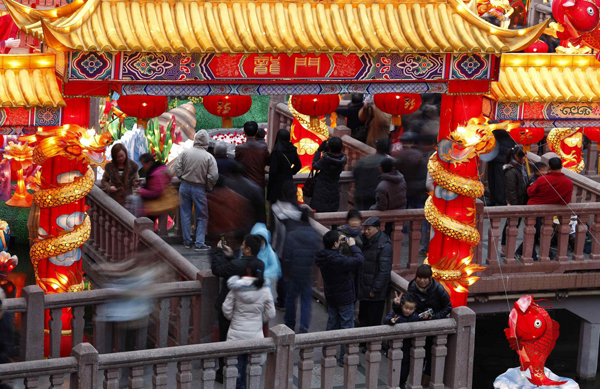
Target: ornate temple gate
(198, 48)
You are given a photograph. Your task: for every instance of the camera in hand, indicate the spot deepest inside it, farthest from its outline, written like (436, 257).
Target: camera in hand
(422, 314)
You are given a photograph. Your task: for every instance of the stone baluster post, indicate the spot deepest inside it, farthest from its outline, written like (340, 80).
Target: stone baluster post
(280, 364)
(32, 324)
(139, 225)
(461, 349)
(87, 372)
(204, 312)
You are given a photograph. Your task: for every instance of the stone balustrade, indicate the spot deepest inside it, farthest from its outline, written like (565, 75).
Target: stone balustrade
(178, 319)
(452, 360)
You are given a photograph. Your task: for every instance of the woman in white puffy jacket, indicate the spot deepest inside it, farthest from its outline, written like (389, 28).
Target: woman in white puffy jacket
(248, 304)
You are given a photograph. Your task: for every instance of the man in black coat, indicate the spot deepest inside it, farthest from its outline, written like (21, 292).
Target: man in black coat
(375, 274)
(338, 271)
(301, 245)
(430, 295)
(224, 265)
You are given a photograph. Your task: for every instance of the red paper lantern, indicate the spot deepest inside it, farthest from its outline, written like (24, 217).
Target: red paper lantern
(227, 107)
(537, 47)
(397, 104)
(315, 106)
(527, 135)
(592, 133)
(143, 106)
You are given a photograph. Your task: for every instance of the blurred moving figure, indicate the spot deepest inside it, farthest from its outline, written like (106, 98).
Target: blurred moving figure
(284, 164)
(329, 161)
(366, 175)
(253, 154)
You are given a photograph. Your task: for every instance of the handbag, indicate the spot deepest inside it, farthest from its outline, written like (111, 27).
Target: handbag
(309, 185)
(168, 200)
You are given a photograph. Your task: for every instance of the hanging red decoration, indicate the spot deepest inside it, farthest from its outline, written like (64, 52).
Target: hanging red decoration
(143, 106)
(227, 107)
(537, 47)
(527, 135)
(397, 104)
(593, 134)
(315, 106)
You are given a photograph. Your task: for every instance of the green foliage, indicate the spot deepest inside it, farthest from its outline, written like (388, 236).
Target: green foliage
(17, 221)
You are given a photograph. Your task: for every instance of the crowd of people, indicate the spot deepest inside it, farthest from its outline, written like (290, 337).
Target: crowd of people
(267, 263)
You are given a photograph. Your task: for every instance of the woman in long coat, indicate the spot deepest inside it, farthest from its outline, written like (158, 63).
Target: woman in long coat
(328, 162)
(284, 164)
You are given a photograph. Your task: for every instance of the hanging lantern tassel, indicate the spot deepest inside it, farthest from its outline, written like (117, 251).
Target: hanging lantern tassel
(397, 120)
(227, 122)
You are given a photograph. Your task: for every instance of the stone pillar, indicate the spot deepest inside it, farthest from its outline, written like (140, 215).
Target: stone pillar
(204, 317)
(589, 341)
(94, 121)
(461, 349)
(273, 119)
(32, 324)
(280, 364)
(87, 372)
(340, 131)
(140, 224)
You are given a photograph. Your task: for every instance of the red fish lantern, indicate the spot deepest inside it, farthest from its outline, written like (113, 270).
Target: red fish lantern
(593, 134)
(143, 106)
(532, 334)
(315, 106)
(397, 104)
(227, 107)
(580, 19)
(537, 47)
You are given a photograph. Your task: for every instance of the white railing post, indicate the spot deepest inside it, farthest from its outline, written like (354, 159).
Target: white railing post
(32, 324)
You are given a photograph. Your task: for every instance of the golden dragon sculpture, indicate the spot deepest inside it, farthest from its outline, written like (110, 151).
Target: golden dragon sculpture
(572, 138)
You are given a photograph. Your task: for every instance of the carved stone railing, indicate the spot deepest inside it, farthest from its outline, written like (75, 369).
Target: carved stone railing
(117, 234)
(452, 359)
(179, 318)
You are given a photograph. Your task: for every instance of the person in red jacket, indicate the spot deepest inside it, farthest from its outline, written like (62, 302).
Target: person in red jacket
(553, 188)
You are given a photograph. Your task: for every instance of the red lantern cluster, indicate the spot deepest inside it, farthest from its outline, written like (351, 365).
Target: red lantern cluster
(315, 106)
(537, 47)
(592, 133)
(227, 107)
(397, 104)
(143, 106)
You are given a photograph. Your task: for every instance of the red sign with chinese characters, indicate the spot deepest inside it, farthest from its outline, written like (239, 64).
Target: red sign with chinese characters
(286, 66)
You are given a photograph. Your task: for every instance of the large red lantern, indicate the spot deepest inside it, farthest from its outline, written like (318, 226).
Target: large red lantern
(315, 106)
(397, 104)
(537, 48)
(227, 107)
(527, 136)
(593, 134)
(143, 106)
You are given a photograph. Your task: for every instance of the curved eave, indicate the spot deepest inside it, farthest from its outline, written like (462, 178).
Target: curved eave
(276, 27)
(547, 78)
(26, 16)
(28, 81)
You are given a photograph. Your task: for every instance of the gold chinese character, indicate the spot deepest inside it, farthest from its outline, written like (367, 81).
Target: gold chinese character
(261, 65)
(275, 66)
(224, 108)
(307, 62)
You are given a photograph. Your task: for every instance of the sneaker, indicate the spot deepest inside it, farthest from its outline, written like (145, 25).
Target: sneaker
(202, 247)
(340, 362)
(187, 245)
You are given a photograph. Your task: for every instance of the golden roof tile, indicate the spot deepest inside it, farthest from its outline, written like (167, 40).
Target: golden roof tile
(28, 80)
(547, 78)
(285, 26)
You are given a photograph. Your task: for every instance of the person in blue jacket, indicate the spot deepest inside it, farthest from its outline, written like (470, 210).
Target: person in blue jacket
(268, 256)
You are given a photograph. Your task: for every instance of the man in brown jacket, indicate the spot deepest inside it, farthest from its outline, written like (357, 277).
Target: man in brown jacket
(253, 154)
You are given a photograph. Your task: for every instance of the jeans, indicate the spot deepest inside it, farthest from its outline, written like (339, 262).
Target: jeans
(242, 366)
(193, 195)
(304, 290)
(340, 318)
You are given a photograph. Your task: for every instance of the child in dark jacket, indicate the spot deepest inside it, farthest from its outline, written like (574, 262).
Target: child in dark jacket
(404, 310)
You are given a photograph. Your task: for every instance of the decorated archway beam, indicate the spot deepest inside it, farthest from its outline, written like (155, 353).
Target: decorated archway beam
(294, 68)
(264, 27)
